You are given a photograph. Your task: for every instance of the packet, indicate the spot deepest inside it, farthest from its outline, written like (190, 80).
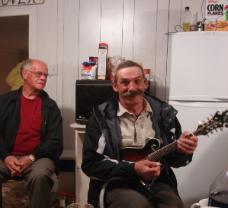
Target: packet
(216, 15)
(89, 70)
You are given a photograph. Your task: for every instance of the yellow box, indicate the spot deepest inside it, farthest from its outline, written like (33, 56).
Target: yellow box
(216, 15)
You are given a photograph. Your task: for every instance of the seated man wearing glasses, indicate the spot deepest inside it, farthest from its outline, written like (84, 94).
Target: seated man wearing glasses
(30, 134)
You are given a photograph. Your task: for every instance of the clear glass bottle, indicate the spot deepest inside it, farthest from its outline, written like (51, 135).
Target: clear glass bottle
(186, 19)
(62, 200)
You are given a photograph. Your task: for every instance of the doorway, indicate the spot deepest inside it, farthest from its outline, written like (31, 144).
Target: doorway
(14, 43)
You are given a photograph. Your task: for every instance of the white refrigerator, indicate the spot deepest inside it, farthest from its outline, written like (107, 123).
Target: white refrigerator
(197, 86)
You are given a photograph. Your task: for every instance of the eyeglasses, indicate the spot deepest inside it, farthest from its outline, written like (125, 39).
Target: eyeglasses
(39, 74)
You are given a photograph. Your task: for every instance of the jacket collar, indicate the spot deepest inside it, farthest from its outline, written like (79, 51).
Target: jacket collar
(17, 94)
(109, 109)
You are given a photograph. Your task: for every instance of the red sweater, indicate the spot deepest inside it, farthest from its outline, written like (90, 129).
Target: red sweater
(29, 132)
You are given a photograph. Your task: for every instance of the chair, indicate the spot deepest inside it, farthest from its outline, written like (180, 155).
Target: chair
(203, 203)
(13, 193)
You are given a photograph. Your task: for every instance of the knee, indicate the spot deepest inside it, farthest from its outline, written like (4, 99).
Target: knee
(41, 179)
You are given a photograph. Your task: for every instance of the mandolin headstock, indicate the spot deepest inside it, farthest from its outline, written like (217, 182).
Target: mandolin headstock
(217, 122)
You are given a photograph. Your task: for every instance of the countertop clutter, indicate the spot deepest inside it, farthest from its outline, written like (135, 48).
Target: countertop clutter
(215, 17)
(103, 66)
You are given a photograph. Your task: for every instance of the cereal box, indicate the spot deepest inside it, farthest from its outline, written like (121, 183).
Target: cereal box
(216, 15)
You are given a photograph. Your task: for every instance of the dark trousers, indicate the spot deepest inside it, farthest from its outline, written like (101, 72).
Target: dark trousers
(38, 181)
(131, 195)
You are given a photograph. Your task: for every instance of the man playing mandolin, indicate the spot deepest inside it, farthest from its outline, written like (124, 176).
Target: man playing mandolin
(133, 122)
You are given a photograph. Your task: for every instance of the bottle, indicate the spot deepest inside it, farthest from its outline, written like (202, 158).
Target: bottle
(186, 19)
(194, 19)
(102, 60)
(62, 200)
(200, 26)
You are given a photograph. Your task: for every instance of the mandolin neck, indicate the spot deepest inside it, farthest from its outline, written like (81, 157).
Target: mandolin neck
(157, 155)
(160, 153)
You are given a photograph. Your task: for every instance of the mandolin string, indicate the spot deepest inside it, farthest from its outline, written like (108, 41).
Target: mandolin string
(163, 151)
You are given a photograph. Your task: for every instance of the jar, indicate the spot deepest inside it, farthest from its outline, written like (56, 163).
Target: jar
(62, 200)
(200, 26)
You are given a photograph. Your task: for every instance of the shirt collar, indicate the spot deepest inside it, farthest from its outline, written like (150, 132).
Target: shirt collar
(122, 110)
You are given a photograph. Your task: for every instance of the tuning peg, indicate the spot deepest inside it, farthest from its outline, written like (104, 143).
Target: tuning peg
(213, 116)
(200, 122)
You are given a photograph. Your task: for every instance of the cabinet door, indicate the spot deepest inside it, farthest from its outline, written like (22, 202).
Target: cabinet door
(81, 180)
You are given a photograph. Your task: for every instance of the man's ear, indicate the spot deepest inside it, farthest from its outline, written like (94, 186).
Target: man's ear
(24, 74)
(114, 86)
(146, 83)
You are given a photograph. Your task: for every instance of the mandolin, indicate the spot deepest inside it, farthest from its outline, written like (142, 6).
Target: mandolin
(217, 121)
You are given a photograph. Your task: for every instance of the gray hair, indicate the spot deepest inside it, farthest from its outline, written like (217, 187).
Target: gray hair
(126, 64)
(26, 65)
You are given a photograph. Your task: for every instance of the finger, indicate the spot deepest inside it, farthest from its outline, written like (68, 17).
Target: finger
(14, 173)
(192, 143)
(192, 137)
(16, 168)
(189, 140)
(155, 173)
(186, 149)
(23, 169)
(187, 145)
(17, 162)
(156, 164)
(10, 169)
(152, 163)
(186, 134)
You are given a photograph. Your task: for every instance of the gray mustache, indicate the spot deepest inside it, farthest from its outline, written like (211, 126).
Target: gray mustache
(132, 93)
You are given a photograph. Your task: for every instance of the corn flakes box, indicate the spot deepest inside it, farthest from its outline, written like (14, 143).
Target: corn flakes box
(216, 15)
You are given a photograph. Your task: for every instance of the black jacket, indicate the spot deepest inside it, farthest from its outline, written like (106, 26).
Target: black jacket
(101, 158)
(51, 145)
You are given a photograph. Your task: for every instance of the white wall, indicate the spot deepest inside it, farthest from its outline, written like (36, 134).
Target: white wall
(65, 33)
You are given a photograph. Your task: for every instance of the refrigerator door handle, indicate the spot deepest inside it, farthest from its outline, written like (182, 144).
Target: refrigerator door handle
(199, 105)
(222, 99)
